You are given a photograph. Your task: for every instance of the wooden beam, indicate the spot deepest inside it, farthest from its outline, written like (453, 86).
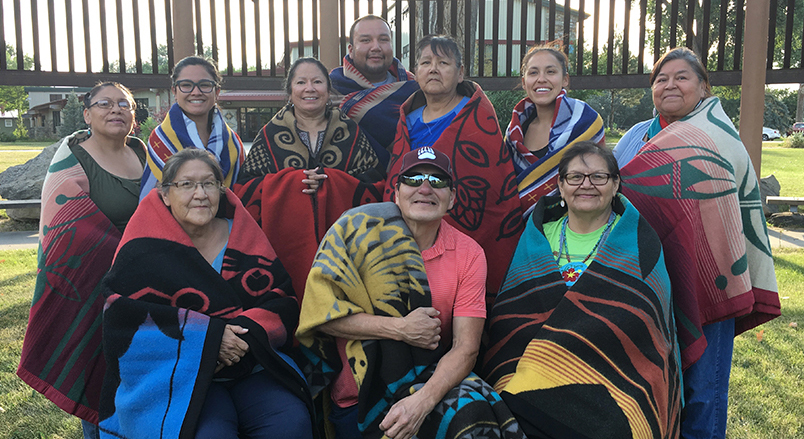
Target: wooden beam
(330, 40)
(183, 29)
(752, 98)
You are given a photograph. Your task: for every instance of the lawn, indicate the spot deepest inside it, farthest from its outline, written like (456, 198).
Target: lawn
(765, 401)
(13, 158)
(786, 165)
(5, 146)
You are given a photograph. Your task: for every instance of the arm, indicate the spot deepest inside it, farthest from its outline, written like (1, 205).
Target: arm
(420, 328)
(407, 415)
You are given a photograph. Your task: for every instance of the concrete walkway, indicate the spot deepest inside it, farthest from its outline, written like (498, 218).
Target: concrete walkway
(779, 238)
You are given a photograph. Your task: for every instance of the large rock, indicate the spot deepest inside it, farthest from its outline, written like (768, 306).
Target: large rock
(24, 182)
(787, 220)
(769, 186)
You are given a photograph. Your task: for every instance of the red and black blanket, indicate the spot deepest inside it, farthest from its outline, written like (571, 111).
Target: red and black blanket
(487, 206)
(61, 354)
(271, 186)
(166, 308)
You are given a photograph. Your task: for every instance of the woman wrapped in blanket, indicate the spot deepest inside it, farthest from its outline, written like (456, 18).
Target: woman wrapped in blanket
(582, 341)
(454, 116)
(90, 192)
(545, 123)
(199, 319)
(689, 174)
(312, 160)
(194, 121)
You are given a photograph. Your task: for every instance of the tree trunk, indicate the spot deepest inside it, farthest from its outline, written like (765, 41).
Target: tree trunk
(800, 104)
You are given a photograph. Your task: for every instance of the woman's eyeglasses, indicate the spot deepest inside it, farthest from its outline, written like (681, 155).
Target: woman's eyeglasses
(437, 181)
(107, 104)
(596, 178)
(189, 185)
(187, 86)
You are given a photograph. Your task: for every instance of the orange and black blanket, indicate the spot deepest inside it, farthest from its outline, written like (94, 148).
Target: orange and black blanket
(595, 360)
(61, 354)
(166, 309)
(271, 185)
(487, 206)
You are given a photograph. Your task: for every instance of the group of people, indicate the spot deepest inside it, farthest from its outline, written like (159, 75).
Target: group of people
(396, 265)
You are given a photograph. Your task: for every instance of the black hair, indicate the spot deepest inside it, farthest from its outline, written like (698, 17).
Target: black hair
(206, 63)
(584, 148)
(288, 85)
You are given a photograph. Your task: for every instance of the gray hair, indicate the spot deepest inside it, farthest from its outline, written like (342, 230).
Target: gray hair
(691, 58)
(441, 45)
(176, 161)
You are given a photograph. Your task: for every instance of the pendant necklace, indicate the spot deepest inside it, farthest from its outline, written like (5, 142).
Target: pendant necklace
(571, 271)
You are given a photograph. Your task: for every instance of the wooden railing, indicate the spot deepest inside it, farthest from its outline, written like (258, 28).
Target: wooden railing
(77, 42)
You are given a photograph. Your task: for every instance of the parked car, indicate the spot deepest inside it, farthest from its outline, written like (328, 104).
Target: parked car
(770, 134)
(797, 127)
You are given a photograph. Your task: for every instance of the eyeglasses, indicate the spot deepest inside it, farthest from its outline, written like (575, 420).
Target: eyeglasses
(189, 185)
(107, 104)
(596, 178)
(437, 181)
(187, 86)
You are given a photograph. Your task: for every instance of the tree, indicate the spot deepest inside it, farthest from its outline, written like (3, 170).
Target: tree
(72, 116)
(776, 115)
(12, 97)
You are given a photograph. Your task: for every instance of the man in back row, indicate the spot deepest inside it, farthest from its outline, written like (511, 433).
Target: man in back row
(375, 84)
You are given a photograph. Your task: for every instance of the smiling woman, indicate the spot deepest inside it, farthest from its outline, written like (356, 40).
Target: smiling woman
(312, 160)
(194, 121)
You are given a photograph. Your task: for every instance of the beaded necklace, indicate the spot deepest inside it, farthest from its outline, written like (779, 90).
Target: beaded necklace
(571, 271)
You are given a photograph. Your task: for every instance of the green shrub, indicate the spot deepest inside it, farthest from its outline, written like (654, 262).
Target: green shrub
(7, 137)
(795, 140)
(146, 127)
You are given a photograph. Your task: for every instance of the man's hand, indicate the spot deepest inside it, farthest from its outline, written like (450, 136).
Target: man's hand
(421, 328)
(406, 417)
(232, 346)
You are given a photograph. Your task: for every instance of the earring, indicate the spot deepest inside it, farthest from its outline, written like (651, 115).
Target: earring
(562, 203)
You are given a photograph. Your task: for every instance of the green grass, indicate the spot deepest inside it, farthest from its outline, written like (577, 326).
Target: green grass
(765, 396)
(13, 158)
(25, 145)
(765, 399)
(26, 414)
(786, 165)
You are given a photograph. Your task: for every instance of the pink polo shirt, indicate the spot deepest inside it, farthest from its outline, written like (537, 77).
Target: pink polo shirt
(456, 271)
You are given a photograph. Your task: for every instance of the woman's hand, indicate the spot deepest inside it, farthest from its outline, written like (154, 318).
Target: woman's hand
(233, 348)
(313, 180)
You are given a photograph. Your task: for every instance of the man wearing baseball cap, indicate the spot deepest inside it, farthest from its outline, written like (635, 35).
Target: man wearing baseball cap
(448, 328)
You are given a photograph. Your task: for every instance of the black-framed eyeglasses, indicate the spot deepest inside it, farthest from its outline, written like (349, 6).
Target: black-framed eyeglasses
(209, 186)
(187, 86)
(106, 104)
(577, 178)
(437, 181)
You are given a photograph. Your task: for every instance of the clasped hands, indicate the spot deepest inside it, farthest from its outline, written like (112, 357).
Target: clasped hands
(312, 180)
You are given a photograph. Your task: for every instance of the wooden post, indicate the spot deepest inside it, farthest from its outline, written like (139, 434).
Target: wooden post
(183, 36)
(752, 98)
(329, 49)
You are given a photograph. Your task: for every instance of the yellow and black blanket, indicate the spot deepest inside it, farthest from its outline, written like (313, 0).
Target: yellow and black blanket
(368, 262)
(596, 360)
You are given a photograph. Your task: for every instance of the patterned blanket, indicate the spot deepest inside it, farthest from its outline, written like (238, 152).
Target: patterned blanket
(376, 109)
(595, 360)
(166, 308)
(487, 206)
(61, 353)
(368, 262)
(696, 186)
(573, 121)
(177, 132)
(271, 187)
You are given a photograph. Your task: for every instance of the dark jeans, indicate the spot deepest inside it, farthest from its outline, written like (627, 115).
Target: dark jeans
(90, 430)
(256, 406)
(706, 385)
(344, 420)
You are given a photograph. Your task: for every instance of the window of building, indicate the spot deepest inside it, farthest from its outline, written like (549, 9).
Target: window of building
(9, 123)
(55, 97)
(56, 118)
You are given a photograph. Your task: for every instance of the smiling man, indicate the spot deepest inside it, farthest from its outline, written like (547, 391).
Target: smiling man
(374, 83)
(406, 340)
